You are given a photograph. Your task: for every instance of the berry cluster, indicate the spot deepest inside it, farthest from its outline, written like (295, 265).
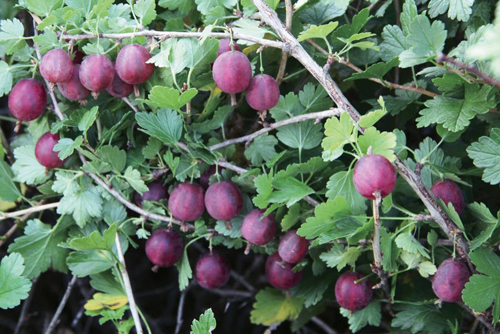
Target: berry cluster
(75, 82)
(232, 72)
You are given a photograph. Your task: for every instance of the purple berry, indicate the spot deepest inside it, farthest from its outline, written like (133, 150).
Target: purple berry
(44, 151)
(263, 92)
(155, 193)
(449, 192)
(186, 202)
(225, 46)
(78, 55)
(258, 230)
(293, 247)
(131, 64)
(212, 270)
(232, 72)
(119, 88)
(223, 200)
(353, 296)
(450, 279)
(164, 247)
(280, 274)
(373, 173)
(73, 89)
(96, 73)
(56, 66)
(27, 100)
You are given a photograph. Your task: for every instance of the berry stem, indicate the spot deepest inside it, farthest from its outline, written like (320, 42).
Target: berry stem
(261, 65)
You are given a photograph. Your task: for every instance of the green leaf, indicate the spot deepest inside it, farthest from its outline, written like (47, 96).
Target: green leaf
(90, 262)
(338, 132)
(370, 315)
(455, 114)
(205, 325)
(378, 71)
(27, 168)
(408, 15)
(5, 78)
(457, 9)
(170, 98)
(106, 282)
(394, 42)
(100, 9)
(264, 185)
(115, 157)
(289, 191)
(314, 98)
(88, 120)
(12, 35)
(340, 184)
(426, 269)
(66, 183)
(133, 177)
(8, 189)
(83, 205)
(326, 216)
(482, 214)
(217, 121)
(66, 146)
(145, 9)
(390, 250)
(407, 242)
(317, 31)
(381, 143)
(38, 246)
(486, 154)
(426, 41)
(261, 149)
(340, 256)
(448, 82)
(166, 125)
(272, 307)
(288, 106)
(312, 288)
(304, 135)
(95, 241)
(43, 8)
(421, 318)
(13, 286)
(484, 289)
(172, 56)
(185, 272)
(373, 117)
(152, 149)
(204, 6)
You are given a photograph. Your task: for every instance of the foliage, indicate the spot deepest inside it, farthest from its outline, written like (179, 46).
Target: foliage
(425, 83)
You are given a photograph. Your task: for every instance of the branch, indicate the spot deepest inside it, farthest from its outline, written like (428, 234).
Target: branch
(481, 318)
(26, 306)
(180, 34)
(384, 83)
(55, 318)
(284, 54)
(320, 323)
(486, 78)
(298, 52)
(31, 210)
(180, 310)
(127, 285)
(296, 119)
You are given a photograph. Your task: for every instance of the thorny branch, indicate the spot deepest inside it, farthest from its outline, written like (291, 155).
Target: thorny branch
(284, 54)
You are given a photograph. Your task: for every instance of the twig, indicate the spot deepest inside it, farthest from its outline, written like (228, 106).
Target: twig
(481, 319)
(296, 119)
(231, 293)
(377, 252)
(387, 84)
(323, 325)
(26, 306)
(127, 285)
(14, 227)
(180, 310)
(6, 145)
(31, 210)
(284, 54)
(375, 4)
(55, 318)
(127, 101)
(179, 34)
(486, 78)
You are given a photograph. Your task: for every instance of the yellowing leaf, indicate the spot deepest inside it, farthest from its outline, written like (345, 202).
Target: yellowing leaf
(104, 300)
(272, 307)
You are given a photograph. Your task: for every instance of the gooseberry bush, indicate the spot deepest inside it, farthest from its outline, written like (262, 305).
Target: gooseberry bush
(250, 166)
